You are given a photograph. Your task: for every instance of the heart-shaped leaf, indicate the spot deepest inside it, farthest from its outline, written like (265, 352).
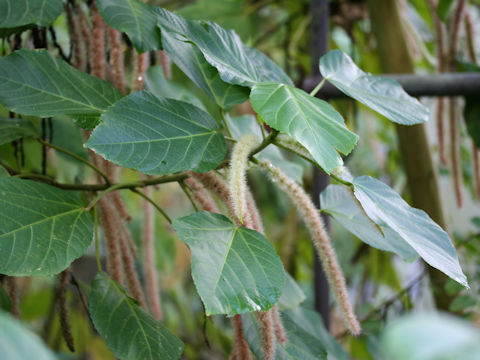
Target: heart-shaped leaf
(235, 269)
(42, 228)
(14, 129)
(310, 121)
(192, 62)
(129, 331)
(386, 208)
(19, 343)
(134, 18)
(224, 50)
(158, 136)
(385, 96)
(338, 202)
(17, 13)
(33, 82)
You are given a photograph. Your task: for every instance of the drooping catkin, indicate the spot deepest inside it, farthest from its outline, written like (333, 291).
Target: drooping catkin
(165, 62)
(440, 37)
(241, 350)
(151, 284)
(62, 288)
(456, 23)
(278, 325)
(321, 241)
(141, 64)
(131, 275)
(84, 29)
(267, 334)
(201, 195)
(116, 58)
(237, 181)
(218, 186)
(114, 261)
(112, 170)
(255, 217)
(78, 46)
(97, 43)
(455, 152)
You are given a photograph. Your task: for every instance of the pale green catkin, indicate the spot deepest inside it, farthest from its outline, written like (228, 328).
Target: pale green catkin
(321, 241)
(237, 179)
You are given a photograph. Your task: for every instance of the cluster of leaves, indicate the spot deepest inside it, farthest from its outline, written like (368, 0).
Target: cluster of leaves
(166, 133)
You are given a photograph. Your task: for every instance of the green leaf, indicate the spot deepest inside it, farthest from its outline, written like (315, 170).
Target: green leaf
(129, 331)
(310, 121)
(235, 269)
(136, 19)
(68, 136)
(292, 295)
(224, 50)
(386, 96)
(42, 228)
(303, 342)
(338, 202)
(160, 86)
(33, 82)
(18, 343)
(14, 129)
(431, 336)
(462, 302)
(247, 124)
(6, 303)
(158, 135)
(386, 208)
(471, 115)
(18, 13)
(191, 61)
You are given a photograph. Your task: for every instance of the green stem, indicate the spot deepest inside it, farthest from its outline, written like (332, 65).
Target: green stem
(189, 196)
(97, 248)
(102, 194)
(224, 120)
(318, 87)
(76, 157)
(267, 141)
(230, 139)
(150, 200)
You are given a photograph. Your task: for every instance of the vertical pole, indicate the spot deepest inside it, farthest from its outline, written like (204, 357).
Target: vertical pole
(318, 47)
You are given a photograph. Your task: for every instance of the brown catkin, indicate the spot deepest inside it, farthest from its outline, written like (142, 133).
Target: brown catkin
(255, 217)
(201, 196)
(62, 288)
(78, 47)
(455, 152)
(267, 334)
(321, 241)
(153, 292)
(131, 275)
(116, 58)
(241, 350)
(84, 29)
(114, 261)
(278, 325)
(165, 62)
(97, 47)
(440, 33)
(457, 20)
(141, 64)
(218, 186)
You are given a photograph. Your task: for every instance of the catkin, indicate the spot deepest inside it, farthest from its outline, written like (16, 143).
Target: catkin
(141, 64)
(321, 241)
(63, 308)
(97, 44)
(237, 180)
(116, 58)
(201, 196)
(151, 285)
(241, 351)
(78, 47)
